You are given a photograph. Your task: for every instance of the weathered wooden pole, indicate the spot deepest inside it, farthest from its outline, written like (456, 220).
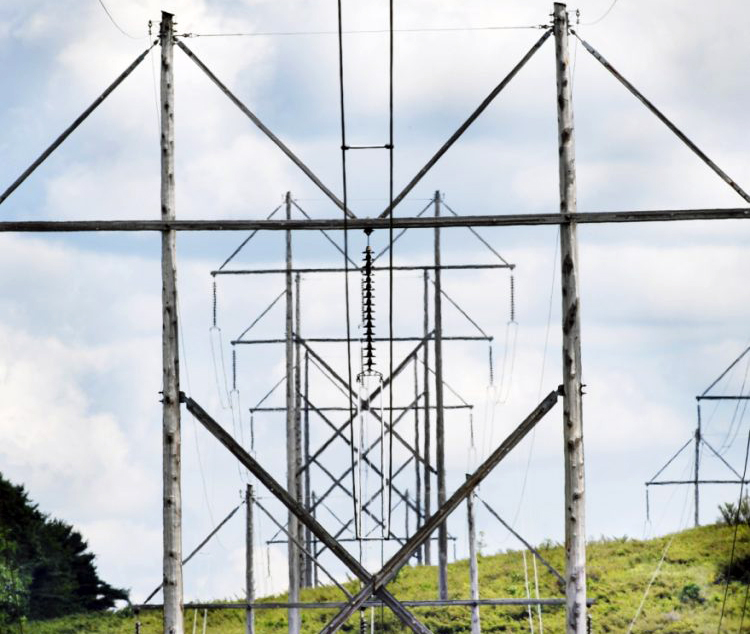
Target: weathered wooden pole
(172, 500)
(575, 517)
(308, 499)
(417, 466)
(406, 514)
(300, 481)
(291, 434)
(249, 561)
(476, 627)
(439, 421)
(427, 430)
(697, 467)
(316, 580)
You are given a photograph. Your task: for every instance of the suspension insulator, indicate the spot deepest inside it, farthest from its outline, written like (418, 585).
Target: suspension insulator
(368, 312)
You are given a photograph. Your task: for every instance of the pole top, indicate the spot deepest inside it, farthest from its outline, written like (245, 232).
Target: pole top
(560, 10)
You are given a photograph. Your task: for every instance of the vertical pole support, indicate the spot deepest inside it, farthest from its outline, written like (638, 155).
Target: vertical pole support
(172, 495)
(575, 524)
(476, 627)
(417, 465)
(439, 420)
(300, 480)
(697, 467)
(249, 561)
(291, 433)
(308, 500)
(427, 431)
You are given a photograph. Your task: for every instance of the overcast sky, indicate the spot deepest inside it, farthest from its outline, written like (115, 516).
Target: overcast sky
(665, 306)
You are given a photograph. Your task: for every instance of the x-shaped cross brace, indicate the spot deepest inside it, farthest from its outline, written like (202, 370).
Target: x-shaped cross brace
(373, 584)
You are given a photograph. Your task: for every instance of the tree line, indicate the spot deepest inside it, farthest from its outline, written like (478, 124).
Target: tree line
(46, 569)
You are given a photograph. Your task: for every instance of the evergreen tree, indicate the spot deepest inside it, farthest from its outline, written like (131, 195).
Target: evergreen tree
(46, 569)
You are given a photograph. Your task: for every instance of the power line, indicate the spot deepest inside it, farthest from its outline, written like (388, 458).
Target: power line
(117, 26)
(602, 16)
(340, 32)
(737, 523)
(370, 31)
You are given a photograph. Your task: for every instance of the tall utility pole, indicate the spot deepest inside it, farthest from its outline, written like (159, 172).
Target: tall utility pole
(575, 517)
(249, 561)
(308, 499)
(476, 627)
(291, 433)
(172, 495)
(697, 466)
(300, 536)
(427, 430)
(439, 421)
(417, 466)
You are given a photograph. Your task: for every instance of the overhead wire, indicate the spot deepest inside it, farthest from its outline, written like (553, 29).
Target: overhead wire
(735, 423)
(372, 31)
(736, 529)
(346, 237)
(390, 262)
(660, 563)
(117, 26)
(602, 16)
(532, 439)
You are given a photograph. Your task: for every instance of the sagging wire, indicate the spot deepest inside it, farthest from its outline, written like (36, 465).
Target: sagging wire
(369, 379)
(233, 400)
(528, 592)
(119, 28)
(498, 395)
(352, 438)
(509, 349)
(201, 472)
(532, 440)
(657, 570)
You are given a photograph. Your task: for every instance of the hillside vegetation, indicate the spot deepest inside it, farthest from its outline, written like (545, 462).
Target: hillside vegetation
(685, 597)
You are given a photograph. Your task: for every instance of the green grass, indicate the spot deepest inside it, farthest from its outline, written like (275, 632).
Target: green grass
(685, 598)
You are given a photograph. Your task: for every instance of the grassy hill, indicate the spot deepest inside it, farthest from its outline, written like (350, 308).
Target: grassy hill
(685, 597)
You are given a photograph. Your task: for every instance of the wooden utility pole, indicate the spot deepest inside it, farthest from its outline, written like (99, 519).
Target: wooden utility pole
(427, 431)
(291, 434)
(249, 561)
(172, 500)
(316, 580)
(308, 499)
(298, 422)
(575, 517)
(417, 466)
(476, 627)
(439, 421)
(697, 467)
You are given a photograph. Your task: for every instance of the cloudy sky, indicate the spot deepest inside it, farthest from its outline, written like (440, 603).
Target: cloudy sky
(664, 305)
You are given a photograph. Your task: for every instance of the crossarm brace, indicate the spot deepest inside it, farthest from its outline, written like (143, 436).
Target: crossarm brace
(397, 561)
(267, 480)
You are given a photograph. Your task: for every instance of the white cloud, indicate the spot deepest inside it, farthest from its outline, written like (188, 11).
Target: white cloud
(664, 307)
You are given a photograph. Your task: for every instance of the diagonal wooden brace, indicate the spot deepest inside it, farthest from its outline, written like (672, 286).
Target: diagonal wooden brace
(397, 561)
(306, 518)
